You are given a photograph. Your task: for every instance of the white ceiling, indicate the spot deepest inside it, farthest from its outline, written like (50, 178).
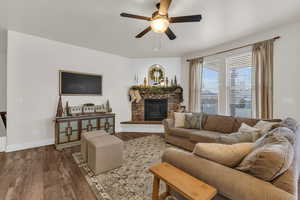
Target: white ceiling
(96, 24)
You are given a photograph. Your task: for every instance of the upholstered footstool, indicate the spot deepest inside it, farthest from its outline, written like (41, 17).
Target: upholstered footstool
(104, 153)
(84, 137)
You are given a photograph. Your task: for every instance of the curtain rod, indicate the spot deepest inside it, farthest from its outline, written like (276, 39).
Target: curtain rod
(220, 52)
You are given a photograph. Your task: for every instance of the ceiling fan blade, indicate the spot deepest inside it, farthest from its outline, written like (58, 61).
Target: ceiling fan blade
(182, 19)
(143, 32)
(164, 6)
(135, 16)
(170, 34)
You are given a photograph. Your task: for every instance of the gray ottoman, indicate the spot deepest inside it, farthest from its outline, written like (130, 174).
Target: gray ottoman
(87, 135)
(104, 153)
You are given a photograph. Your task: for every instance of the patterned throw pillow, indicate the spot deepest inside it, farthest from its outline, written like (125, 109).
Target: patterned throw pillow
(193, 121)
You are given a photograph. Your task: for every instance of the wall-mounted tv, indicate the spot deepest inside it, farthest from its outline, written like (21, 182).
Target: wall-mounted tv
(76, 83)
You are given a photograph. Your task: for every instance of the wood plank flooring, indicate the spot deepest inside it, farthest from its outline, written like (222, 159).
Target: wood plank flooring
(45, 174)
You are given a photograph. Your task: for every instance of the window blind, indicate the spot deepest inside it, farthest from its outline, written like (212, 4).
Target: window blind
(242, 60)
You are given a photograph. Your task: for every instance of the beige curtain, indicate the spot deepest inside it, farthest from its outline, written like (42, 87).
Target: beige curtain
(263, 63)
(195, 81)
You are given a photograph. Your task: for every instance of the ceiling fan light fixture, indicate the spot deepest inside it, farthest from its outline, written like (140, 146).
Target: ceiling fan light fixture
(160, 24)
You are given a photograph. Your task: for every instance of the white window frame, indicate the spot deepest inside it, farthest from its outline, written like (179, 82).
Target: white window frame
(228, 81)
(213, 65)
(220, 61)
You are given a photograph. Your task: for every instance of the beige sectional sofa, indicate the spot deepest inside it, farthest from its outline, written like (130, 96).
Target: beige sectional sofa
(230, 183)
(214, 127)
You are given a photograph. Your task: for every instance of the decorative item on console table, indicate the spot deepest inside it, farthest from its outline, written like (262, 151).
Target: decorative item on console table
(67, 109)
(68, 129)
(108, 108)
(60, 110)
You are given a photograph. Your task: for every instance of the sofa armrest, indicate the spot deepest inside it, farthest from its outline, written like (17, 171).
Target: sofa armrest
(229, 182)
(168, 123)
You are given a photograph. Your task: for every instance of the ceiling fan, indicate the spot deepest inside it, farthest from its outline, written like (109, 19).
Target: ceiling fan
(160, 20)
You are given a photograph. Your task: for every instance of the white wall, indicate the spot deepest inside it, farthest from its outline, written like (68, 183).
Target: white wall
(172, 66)
(286, 67)
(32, 85)
(3, 55)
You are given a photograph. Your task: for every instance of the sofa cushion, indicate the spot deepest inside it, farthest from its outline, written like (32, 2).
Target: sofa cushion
(204, 136)
(218, 123)
(270, 160)
(228, 155)
(181, 132)
(287, 181)
(238, 122)
(193, 121)
(230, 182)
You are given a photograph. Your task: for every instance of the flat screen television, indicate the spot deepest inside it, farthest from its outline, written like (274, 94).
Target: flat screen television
(76, 83)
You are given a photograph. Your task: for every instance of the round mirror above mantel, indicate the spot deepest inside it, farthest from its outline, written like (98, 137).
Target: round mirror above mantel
(156, 75)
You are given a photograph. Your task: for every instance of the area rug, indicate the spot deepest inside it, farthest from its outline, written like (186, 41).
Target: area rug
(132, 181)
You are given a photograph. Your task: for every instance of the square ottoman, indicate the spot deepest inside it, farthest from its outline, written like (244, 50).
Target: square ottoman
(104, 153)
(84, 137)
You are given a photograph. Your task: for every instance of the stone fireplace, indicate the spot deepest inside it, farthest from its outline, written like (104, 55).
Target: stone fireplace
(156, 107)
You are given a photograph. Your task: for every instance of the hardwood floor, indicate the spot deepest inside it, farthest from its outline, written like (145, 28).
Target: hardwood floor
(45, 174)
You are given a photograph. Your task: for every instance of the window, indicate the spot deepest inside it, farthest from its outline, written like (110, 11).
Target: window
(228, 85)
(210, 90)
(240, 76)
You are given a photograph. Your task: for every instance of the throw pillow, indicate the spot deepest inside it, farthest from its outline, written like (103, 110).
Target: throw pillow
(276, 136)
(193, 121)
(237, 137)
(179, 119)
(264, 126)
(228, 155)
(246, 134)
(290, 123)
(255, 132)
(219, 123)
(269, 161)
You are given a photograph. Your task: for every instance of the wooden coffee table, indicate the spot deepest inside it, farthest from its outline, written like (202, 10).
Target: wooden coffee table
(183, 183)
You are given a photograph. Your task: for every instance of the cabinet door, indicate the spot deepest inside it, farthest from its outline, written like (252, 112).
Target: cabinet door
(107, 124)
(68, 131)
(74, 134)
(89, 125)
(62, 132)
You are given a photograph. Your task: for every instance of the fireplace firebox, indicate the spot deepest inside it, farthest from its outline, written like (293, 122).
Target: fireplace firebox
(156, 109)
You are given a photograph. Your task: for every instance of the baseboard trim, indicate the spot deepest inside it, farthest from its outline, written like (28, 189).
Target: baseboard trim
(143, 128)
(18, 147)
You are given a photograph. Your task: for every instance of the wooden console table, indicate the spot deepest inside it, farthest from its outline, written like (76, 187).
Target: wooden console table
(183, 183)
(68, 129)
